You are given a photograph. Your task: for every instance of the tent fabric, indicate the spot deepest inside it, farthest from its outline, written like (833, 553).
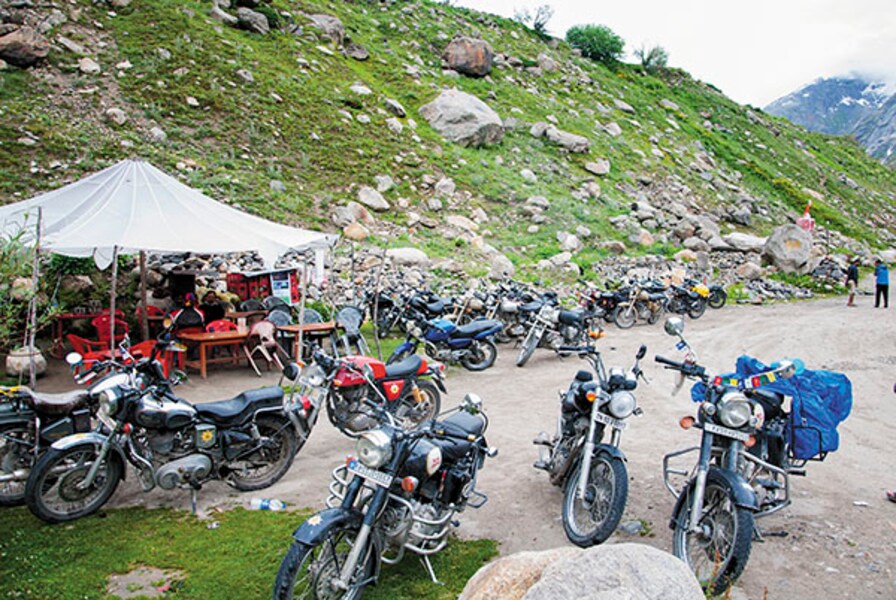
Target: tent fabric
(821, 401)
(135, 206)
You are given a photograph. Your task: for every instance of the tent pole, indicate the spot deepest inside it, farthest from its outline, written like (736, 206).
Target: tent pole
(112, 295)
(376, 307)
(32, 309)
(303, 292)
(144, 318)
(352, 275)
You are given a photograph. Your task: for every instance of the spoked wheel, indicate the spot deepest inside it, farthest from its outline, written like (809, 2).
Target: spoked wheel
(309, 571)
(591, 519)
(55, 491)
(624, 316)
(411, 413)
(696, 308)
(718, 551)
(16, 459)
(265, 465)
(529, 345)
(717, 298)
(384, 323)
(481, 356)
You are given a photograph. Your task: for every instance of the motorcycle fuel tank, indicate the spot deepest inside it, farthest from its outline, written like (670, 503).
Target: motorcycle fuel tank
(163, 414)
(347, 377)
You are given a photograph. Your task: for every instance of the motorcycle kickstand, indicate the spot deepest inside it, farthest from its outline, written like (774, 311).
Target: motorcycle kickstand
(432, 574)
(195, 486)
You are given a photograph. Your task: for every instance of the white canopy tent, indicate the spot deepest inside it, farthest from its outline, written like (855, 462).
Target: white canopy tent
(134, 207)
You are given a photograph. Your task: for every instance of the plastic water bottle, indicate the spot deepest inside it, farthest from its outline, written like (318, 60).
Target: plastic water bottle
(266, 504)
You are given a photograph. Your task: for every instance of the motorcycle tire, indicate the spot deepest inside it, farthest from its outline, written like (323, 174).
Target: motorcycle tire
(623, 317)
(16, 454)
(716, 568)
(481, 356)
(410, 413)
(717, 298)
(608, 486)
(276, 454)
(384, 323)
(656, 316)
(529, 345)
(696, 308)
(45, 478)
(312, 566)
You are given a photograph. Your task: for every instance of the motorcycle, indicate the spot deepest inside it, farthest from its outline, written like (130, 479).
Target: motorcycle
(646, 301)
(248, 441)
(750, 446)
(408, 389)
(717, 296)
(472, 345)
(554, 327)
(687, 301)
(399, 493)
(591, 472)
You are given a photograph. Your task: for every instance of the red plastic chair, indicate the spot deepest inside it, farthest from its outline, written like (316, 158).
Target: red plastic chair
(221, 325)
(90, 350)
(144, 349)
(103, 325)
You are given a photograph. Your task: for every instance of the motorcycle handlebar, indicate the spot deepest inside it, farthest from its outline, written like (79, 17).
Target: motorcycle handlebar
(667, 361)
(576, 349)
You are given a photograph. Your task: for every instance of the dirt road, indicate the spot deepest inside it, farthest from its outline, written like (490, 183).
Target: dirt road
(840, 528)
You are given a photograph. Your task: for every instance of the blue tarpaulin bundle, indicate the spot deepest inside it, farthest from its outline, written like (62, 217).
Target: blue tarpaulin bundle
(821, 400)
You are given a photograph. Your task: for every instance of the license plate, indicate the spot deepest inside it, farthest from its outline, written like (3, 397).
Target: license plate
(732, 433)
(377, 477)
(608, 420)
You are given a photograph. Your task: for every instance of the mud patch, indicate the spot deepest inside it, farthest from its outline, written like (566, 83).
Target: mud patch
(144, 582)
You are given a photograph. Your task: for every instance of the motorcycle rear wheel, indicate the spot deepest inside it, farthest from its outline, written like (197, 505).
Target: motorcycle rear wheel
(306, 570)
(412, 413)
(717, 298)
(52, 494)
(591, 520)
(718, 553)
(696, 308)
(16, 454)
(266, 465)
(529, 345)
(482, 355)
(624, 316)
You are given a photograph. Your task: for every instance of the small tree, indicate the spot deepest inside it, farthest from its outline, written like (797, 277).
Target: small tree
(653, 59)
(597, 42)
(538, 22)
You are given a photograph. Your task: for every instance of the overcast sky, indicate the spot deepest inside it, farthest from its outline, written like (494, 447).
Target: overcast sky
(753, 51)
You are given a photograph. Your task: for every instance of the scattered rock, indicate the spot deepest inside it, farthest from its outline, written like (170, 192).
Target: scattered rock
(744, 242)
(529, 176)
(252, 21)
(277, 186)
(469, 56)
(117, 116)
(395, 107)
(624, 106)
(245, 75)
(570, 141)
(407, 256)
(601, 166)
(331, 26)
(157, 135)
(23, 47)
(445, 187)
(71, 45)
(360, 89)
(499, 267)
(355, 231)
(668, 104)
(461, 222)
(221, 16)
(18, 362)
(748, 270)
(614, 247)
(356, 51)
(546, 63)
(394, 125)
(384, 183)
(88, 66)
(463, 118)
(373, 199)
(613, 129)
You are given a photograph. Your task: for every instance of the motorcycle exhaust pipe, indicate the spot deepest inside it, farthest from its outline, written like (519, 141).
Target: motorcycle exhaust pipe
(17, 475)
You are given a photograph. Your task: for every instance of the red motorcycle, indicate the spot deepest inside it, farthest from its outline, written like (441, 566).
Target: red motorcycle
(409, 390)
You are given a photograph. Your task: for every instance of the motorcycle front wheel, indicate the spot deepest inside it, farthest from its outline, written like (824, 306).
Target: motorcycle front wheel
(411, 413)
(718, 551)
(717, 298)
(529, 345)
(384, 322)
(696, 308)
(307, 571)
(592, 519)
(270, 461)
(481, 356)
(16, 454)
(53, 492)
(624, 316)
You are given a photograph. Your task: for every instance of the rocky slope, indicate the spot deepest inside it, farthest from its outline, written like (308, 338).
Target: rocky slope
(418, 124)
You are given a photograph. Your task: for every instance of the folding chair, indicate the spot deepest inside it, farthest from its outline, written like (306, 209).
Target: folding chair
(225, 325)
(262, 340)
(350, 318)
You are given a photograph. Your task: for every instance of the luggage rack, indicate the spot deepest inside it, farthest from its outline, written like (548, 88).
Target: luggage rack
(800, 462)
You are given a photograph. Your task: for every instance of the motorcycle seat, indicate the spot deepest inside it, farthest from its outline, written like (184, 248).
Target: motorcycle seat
(240, 408)
(657, 296)
(408, 366)
(56, 404)
(462, 424)
(533, 306)
(571, 317)
(476, 327)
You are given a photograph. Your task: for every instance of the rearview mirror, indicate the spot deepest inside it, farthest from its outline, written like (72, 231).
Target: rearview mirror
(674, 326)
(177, 377)
(641, 351)
(73, 359)
(291, 371)
(472, 403)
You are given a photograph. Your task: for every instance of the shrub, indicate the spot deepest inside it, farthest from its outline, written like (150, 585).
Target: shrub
(597, 42)
(538, 22)
(653, 59)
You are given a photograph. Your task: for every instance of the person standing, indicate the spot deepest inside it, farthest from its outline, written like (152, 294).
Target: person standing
(882, 278)
(852, 280)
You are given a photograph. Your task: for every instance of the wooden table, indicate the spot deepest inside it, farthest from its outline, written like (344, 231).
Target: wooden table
(326, 329)
(206, 340)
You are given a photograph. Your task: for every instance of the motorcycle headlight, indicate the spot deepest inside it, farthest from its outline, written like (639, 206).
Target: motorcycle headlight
(735, 410)
(313, 376)
(622, 404)
(374, 448)
(108, 403)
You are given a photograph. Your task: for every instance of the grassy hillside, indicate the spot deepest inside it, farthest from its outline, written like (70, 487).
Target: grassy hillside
(297, 123)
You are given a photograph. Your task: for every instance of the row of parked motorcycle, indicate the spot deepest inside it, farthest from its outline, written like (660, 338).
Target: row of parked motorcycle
(466, 328)
(414, 467)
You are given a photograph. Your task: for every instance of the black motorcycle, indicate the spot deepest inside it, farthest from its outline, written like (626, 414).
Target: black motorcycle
(554, 327)
(248, 441)
(592, 472)
(400, 493)
(684, 300)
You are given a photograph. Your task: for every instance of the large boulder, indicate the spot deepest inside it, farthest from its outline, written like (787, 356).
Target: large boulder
(252, 21)
(499, 266)
(510, 577)
(469, 56)
(744, 242)
(407, 256)
(789, 248)
(23, 47)
(463, 118)
(331, 26)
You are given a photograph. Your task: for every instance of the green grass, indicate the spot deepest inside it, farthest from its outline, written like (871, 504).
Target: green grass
(238, 559)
